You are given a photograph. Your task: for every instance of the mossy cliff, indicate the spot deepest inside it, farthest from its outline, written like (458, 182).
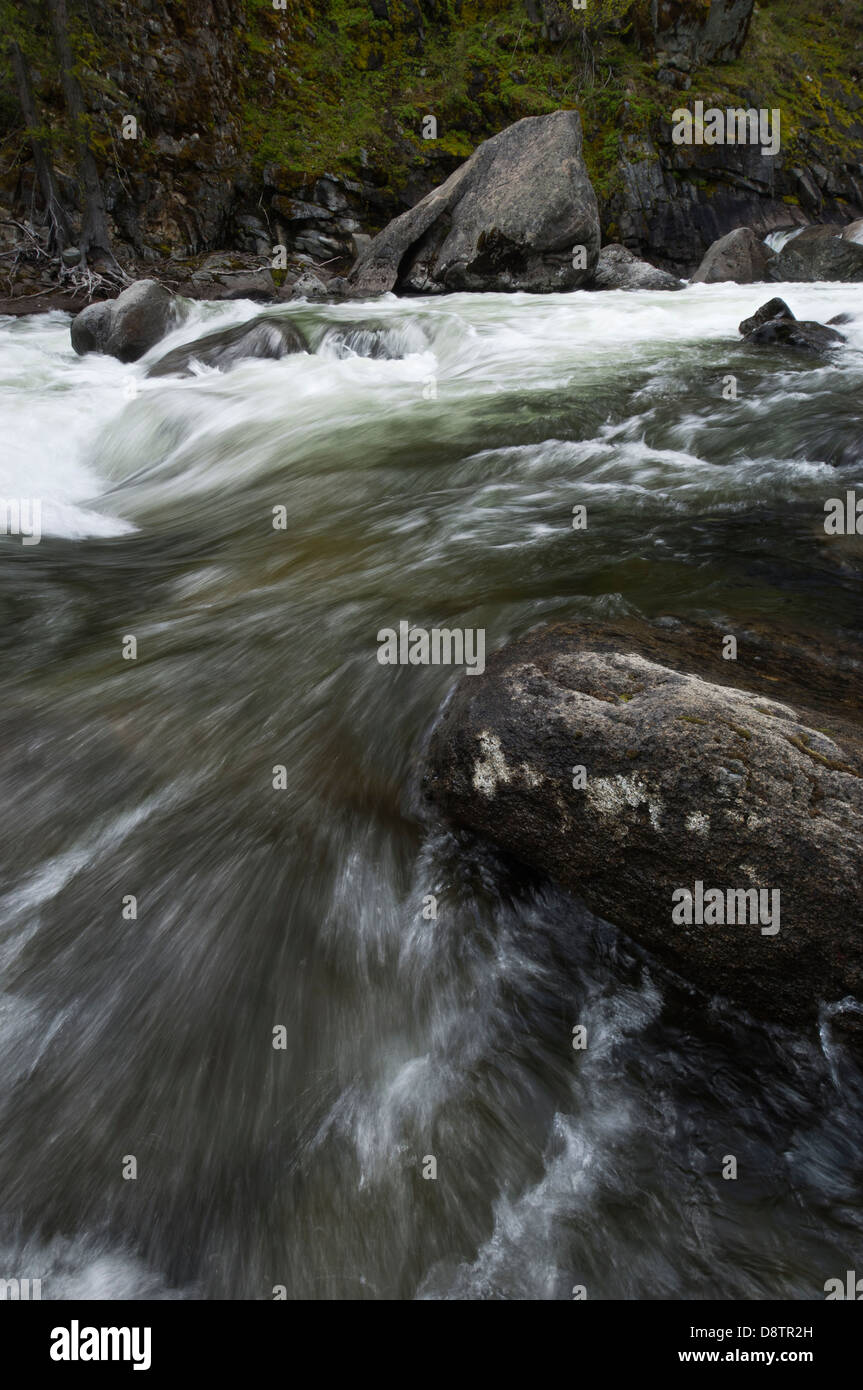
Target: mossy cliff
(318, 121)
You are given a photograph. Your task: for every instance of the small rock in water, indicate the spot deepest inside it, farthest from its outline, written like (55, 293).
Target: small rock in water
(774, 325)
(128, 326)
(262, 337)
(774, 309)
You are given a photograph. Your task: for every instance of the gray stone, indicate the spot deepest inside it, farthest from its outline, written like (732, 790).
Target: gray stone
(774, 309)
(618, 269)
(90, 328)
(309, 286)
(141, 316)
(774, 325)
(261, 337)
(756, 785)
(247, 284)
(740, 256)
(128, 326)
(819, 253)
(854, 231)
(508, 219)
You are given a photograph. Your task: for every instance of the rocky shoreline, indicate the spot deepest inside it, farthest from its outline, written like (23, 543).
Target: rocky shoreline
(520, 214)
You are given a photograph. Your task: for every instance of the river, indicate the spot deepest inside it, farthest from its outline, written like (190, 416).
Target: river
(428, 454)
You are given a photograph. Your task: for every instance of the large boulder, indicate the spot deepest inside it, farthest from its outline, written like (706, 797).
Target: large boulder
(510, 218)
(128, 326)
(90, 328)
(740, 256)
(819, 253)
(774, 325)
(261, 337)
(619, 269)
(737, 776)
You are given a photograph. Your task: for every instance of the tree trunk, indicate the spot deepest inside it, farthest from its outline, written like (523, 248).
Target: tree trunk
(95, 236)
(59, 235)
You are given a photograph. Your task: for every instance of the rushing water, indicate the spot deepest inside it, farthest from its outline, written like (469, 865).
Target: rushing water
(429, 454)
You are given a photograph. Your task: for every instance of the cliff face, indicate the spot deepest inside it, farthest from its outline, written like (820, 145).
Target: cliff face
(313, 124)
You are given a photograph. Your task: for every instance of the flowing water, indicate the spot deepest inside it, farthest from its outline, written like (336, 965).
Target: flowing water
(428, 454)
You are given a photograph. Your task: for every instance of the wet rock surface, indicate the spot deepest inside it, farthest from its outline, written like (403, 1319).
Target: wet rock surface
(738, 775)
(263, 337)
(128, 326)
(774, 325)
(619, 269)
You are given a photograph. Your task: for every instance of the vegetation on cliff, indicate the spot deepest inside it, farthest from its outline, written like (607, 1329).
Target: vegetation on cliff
(231, 87)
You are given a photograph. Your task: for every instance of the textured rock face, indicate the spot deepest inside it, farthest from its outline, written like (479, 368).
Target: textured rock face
(91, 327)
(819, 253)
(688, 780)
(695, 32)
(674, 201)
(740, 256)
(618, 269)
(127, 326)
(267, 337)
(507, 219)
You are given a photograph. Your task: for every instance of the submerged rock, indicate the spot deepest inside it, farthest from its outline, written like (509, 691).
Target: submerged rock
(261, 337)
(618, 269)
(689, 780)
(740, 256)
(510, 218)
(128, 326)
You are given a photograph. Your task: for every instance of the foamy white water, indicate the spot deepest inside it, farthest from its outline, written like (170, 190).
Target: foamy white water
(428, 453)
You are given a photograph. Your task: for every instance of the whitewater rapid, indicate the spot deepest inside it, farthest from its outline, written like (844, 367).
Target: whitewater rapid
(428, 454)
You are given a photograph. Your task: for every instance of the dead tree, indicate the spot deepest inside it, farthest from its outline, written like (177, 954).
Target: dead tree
(95, 237)
(59, 235)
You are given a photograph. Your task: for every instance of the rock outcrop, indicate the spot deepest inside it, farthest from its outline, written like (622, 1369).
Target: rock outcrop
(262, 337)
(689, 33)
(520, 214)
(619, 269)
(774, 325)
(738, 776)
(819, 253)
(128, 326)
(740, 256)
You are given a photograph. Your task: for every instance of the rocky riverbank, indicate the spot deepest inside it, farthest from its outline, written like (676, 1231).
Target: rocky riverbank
(224, 126)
